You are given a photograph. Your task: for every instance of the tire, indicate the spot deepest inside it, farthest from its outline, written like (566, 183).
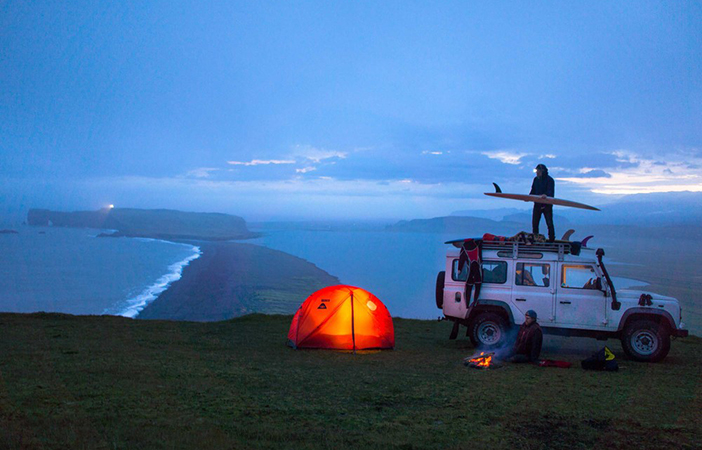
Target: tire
(646, 341)
(440, 281)
(488, 330)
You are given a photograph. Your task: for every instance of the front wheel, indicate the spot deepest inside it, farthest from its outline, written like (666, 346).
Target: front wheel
(646, 341)
(488, 330)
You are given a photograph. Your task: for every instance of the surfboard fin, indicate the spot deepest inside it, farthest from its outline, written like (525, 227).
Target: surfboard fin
(584, 241)
(567, 235)
(497, 188)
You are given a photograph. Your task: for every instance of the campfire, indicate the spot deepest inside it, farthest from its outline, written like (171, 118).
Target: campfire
(481, 361)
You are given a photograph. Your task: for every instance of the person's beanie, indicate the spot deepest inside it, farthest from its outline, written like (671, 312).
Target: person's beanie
(531, 313)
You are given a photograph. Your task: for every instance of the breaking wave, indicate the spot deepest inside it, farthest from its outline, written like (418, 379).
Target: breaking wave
(139, 302)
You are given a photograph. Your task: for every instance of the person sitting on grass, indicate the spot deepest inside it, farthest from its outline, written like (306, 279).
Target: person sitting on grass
(527, 348)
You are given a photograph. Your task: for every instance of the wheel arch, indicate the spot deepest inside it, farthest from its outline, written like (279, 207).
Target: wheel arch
(494, 306)
(660, 316)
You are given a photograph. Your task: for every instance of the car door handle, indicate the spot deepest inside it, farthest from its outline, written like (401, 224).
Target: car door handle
(521, 299)
(565, 303)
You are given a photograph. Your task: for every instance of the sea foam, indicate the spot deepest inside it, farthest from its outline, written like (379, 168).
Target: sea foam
(136, 304)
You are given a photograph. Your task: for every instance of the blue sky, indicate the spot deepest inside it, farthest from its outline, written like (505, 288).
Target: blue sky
(344, 109)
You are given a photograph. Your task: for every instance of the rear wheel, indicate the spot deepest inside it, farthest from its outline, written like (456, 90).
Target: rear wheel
(488, 330)
(440, 281)
(646, 340)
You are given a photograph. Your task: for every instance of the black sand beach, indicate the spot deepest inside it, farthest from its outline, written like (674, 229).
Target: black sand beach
(232, 279)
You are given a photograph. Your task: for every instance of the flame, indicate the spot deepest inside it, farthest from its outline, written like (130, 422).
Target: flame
(482, 361)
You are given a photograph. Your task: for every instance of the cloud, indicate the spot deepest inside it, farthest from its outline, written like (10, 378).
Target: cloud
(320, 186)
(593, 173)
(301, 160)
(258, 162)
(201, 172)
(506, 157)
(640, 175)
(316, 155)
(309, 197)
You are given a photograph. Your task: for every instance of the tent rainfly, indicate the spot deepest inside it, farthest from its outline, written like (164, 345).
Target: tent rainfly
(344, 318)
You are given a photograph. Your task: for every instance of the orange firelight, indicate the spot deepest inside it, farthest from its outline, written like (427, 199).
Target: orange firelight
(482, 361)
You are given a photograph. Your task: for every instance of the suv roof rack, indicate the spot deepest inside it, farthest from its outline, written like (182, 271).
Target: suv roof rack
(515, 248)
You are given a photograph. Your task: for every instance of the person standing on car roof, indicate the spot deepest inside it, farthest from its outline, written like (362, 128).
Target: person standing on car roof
(527, 348)
(544, 186)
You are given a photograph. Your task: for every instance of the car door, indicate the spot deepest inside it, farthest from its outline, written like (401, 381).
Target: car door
(533, 290)
(579, 304)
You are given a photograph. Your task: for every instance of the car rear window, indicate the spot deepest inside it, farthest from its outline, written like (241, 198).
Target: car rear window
(494, 272)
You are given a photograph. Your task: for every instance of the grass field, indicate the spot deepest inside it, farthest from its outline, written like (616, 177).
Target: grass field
(71, 382)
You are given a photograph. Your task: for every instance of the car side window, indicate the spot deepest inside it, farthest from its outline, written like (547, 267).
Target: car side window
(578, 276)
(533, 274)
(494, 272)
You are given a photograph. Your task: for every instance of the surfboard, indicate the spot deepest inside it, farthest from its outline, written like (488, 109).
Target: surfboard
(539, 199)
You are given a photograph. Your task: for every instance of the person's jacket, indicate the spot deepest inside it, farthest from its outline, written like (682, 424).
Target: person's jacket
(529, 341)
(543, 185)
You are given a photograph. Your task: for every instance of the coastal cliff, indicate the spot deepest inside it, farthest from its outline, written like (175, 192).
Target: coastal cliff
(152, 223)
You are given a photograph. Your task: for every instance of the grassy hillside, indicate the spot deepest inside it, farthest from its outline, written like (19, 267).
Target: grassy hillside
(111, 382)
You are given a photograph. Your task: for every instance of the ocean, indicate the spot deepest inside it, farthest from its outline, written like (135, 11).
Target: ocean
(399, 268)
(70, 270)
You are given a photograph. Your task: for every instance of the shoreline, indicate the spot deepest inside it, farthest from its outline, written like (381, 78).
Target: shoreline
(175, 271)
(231, 279)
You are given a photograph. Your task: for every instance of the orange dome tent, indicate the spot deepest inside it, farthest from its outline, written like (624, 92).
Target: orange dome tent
(342, 317)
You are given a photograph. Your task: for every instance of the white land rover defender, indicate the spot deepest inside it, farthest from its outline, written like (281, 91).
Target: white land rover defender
(569, 288)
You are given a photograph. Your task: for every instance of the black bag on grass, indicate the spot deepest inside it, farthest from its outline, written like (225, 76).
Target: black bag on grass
(601, 360)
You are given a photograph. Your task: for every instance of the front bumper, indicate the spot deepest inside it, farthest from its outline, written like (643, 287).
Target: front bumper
(680, 333)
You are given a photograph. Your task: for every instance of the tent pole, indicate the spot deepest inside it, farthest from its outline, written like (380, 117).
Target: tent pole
(353, 328)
